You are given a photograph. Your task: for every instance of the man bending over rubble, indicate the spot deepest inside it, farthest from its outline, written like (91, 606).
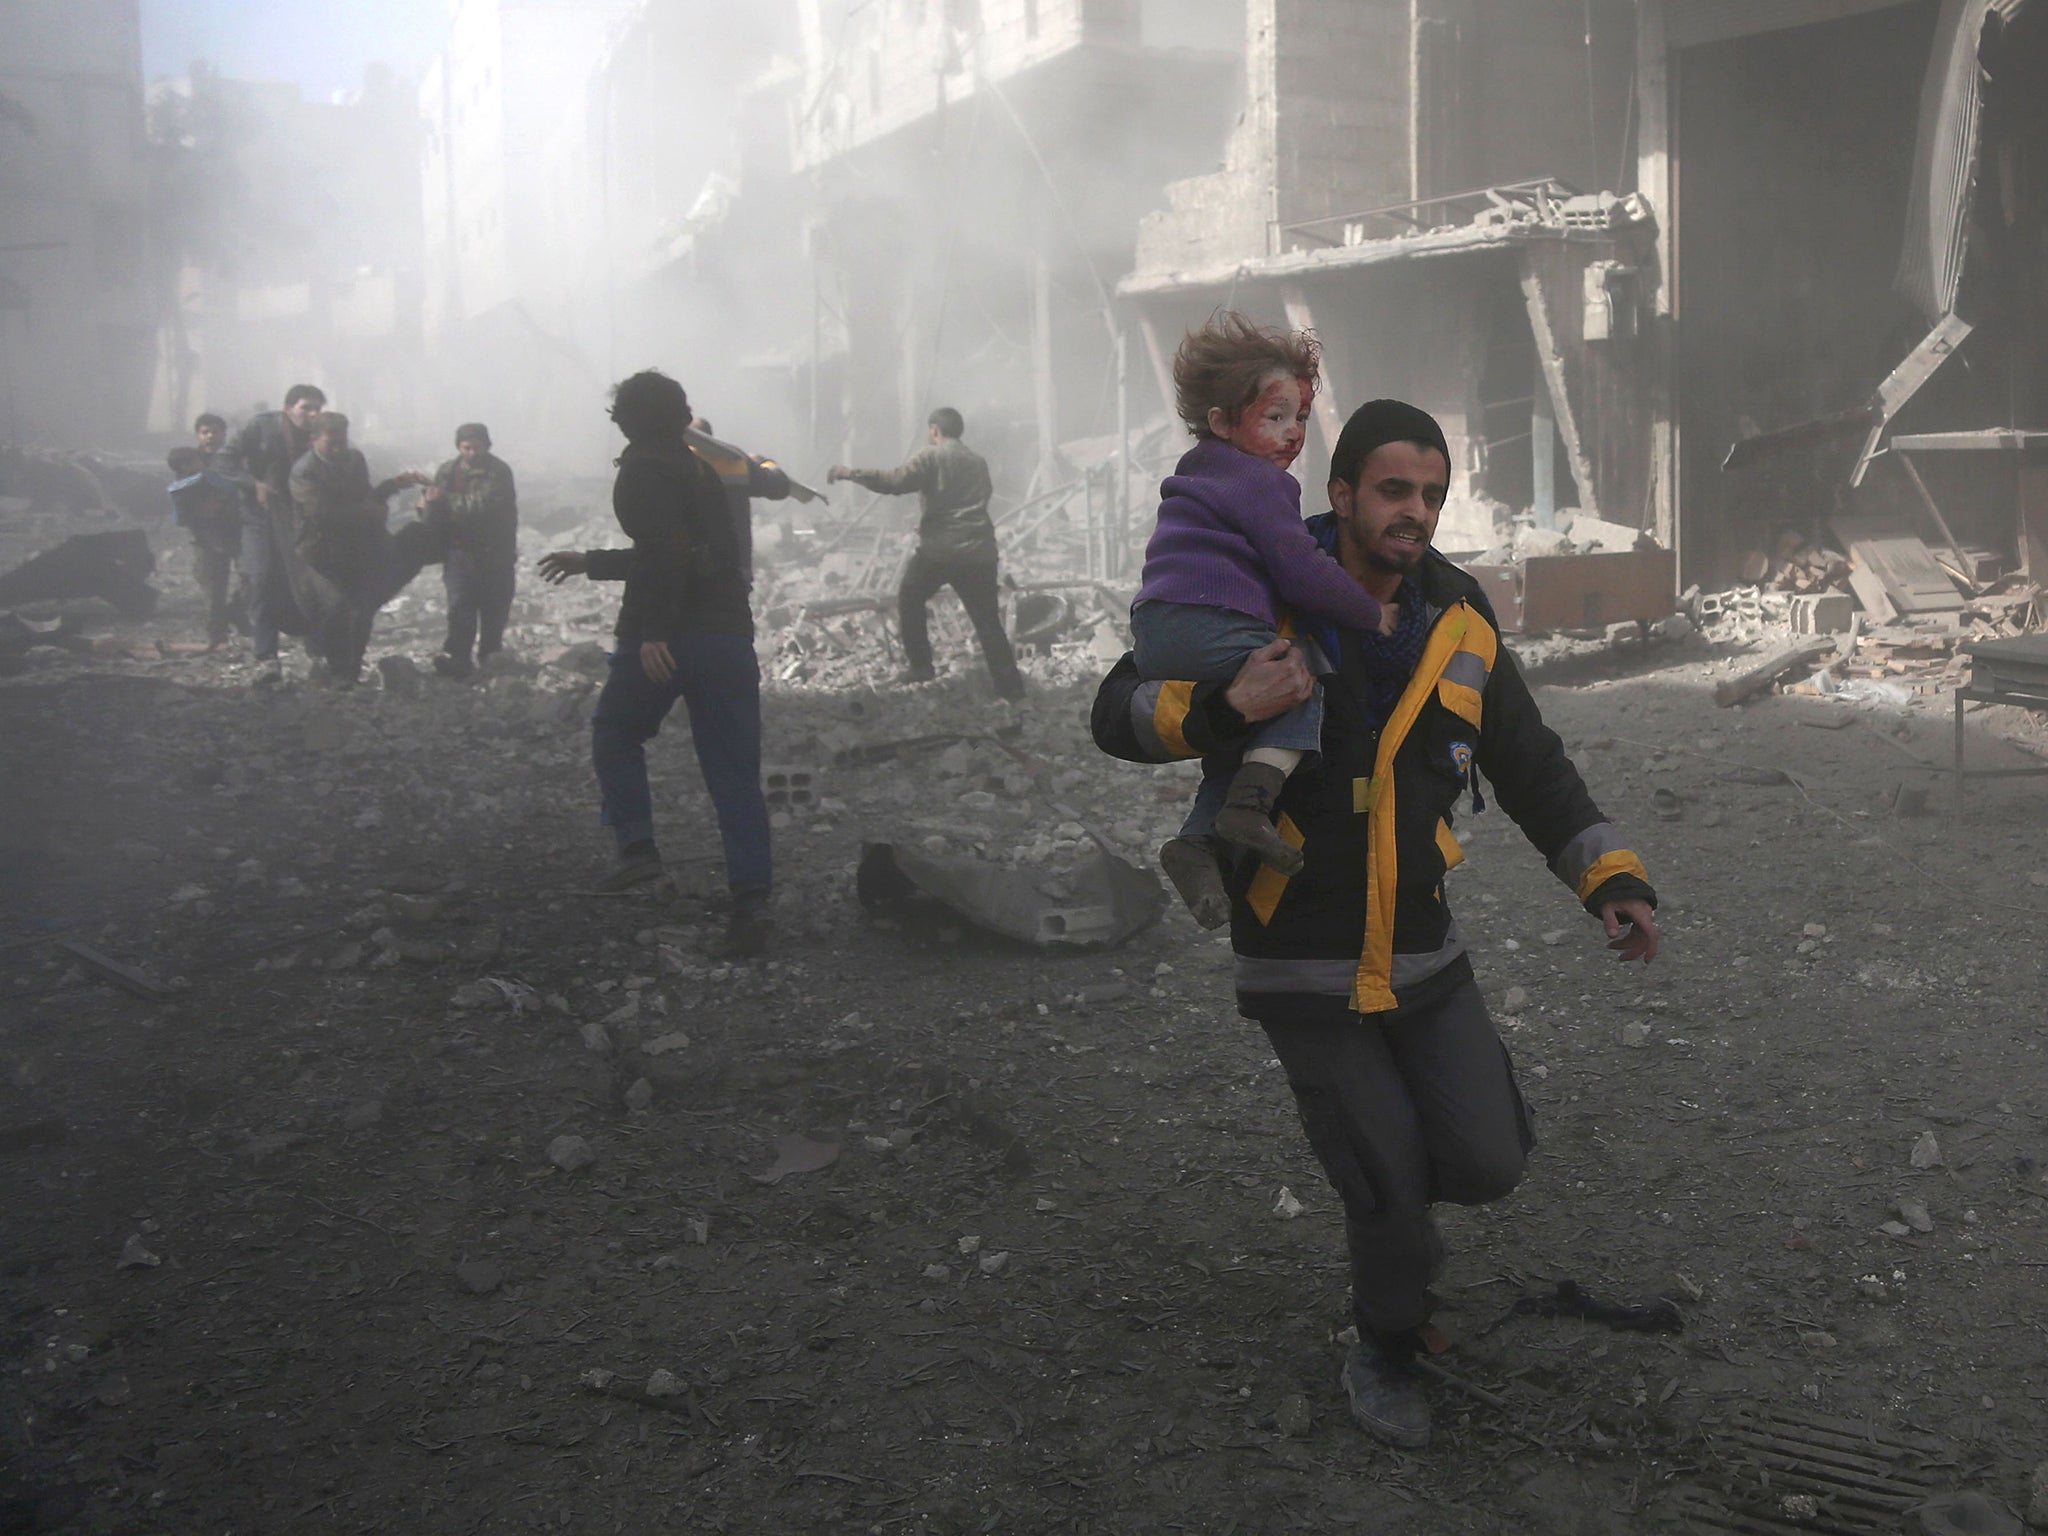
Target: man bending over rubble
(686, 630)
(1354, 966)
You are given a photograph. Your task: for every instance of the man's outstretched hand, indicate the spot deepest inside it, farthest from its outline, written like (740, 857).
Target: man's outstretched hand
(559, 566)
(1641, 939)
(1272, 681)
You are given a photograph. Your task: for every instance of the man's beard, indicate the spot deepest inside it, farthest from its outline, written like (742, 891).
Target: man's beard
(1397, 562)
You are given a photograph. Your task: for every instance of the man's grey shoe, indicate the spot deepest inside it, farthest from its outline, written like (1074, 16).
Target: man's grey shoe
(631, 872)
(1386, 1398)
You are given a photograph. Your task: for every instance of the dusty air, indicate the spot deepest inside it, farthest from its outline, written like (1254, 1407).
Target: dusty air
(1084, 766)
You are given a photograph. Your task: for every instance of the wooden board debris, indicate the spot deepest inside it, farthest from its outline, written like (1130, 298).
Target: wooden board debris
(1755, 679)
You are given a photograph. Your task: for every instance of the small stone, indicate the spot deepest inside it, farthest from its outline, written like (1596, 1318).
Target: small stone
(2037, 1498)
(416, 908)
(662, 1045)
(1815, 930)
(1635, 1035)
(479, 1277)
(1294, 1418)
(1799, 1506)
(571, 1154)
(969, 1246)
(640, 1095)
(1515, 1001)
(1914, 1215)
(1285, 1206)
(1807, 946)
(597, 1379)
(990, 1263)
(937, 1272)
(1894, 1229)
(596, 1038)
(474, 995)
(662, 1382)
(135, 1255)
(1926, 1151)
(1555, 937)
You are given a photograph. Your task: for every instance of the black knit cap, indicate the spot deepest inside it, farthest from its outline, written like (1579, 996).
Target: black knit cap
(473, 432)
(1377, 423)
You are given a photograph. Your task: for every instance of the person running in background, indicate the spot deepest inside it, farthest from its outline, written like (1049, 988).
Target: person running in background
(474, 496)
(685, 631)
(207, 504)
(956, 547)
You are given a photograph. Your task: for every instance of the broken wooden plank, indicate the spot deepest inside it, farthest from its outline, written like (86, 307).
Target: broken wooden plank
(1734, 690)
(126, 977)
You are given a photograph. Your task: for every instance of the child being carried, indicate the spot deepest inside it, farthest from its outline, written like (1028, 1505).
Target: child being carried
(1230, 555)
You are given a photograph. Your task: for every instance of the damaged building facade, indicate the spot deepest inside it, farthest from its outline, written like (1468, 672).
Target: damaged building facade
(75, 303)
(1607, 242)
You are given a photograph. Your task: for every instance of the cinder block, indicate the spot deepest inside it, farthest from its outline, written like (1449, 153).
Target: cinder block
(789, 788)
(1823, 613)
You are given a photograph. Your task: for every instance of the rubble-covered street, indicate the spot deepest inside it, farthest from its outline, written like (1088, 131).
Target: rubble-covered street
(371, 1175)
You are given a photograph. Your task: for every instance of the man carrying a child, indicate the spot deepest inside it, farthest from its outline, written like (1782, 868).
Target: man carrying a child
(1352, 964)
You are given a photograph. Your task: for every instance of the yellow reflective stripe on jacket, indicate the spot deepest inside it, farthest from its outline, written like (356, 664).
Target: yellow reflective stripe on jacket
(1447, 845)
(1458, 633)
(1606, 867)
(1169, 714)
(1263, 894)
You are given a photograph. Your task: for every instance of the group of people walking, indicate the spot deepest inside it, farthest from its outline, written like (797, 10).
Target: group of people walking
(292, 503)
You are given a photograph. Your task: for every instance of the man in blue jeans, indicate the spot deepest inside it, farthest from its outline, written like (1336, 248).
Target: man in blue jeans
(685, 631)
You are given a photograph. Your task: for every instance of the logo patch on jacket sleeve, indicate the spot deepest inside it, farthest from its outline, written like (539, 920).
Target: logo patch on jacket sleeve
(1461, 758)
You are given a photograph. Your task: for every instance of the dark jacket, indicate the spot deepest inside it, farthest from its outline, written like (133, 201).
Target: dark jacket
(340, 513)
(265, 450)
(482, 502)
(952, 482)
(1366, 918)
(683, 573)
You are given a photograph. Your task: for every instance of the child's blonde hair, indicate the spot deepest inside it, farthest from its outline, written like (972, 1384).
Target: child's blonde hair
(1222, 366)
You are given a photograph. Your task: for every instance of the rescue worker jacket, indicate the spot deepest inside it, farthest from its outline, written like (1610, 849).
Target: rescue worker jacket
(683, 573)
(953, 486)
(482, 501)
(1366, 918)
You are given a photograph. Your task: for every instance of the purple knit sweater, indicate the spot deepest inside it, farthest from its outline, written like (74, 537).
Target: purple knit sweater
(1230, 535)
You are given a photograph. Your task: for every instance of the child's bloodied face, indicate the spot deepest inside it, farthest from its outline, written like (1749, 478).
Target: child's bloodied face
(1274, 425)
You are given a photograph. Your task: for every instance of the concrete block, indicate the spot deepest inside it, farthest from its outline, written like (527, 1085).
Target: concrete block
(1822, 613)
(789, 788)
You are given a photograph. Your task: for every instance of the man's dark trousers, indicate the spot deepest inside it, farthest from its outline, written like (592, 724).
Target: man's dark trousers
(975, 582)
(1403, 1109)
(479, 574)
(719, 681)
(264, 571)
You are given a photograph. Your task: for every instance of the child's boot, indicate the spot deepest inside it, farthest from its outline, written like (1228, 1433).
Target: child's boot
(1246, 820)
(1191, 864)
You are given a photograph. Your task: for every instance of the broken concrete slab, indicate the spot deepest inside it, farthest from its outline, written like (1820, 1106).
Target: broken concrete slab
(114, 567)
(1101, 900)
